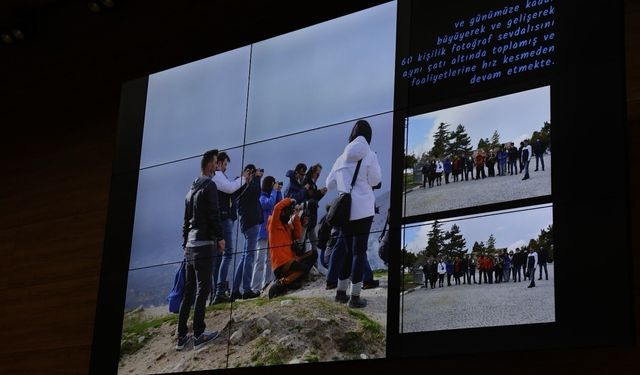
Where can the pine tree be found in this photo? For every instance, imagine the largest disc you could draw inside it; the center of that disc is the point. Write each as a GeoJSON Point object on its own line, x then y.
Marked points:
{"type": "Point", "coordinates": [460, 141]}
{"type": "Point", "coordinates": [491, 244]}
{"type": "Point", "coordinates": [455, 243]}
{"type": "Point", "coordinates": [484, 144]}
{"type": "Point", "coordinates": [410, 160]}
{"type": "Point", "coordinates": [478, 248]}
{"type": "Point", "coordinates": [435, 239]}
{"type": "Point", "coordinates": [440, 141]}
{"type": "Point", "coordinates": [544, 134]}
{"type": "Point", "coordinates": [495, 140]}
{"type": "Point", "coordinates": [545, 239]}
{"type": "Point", "coordinates": [408, 259]}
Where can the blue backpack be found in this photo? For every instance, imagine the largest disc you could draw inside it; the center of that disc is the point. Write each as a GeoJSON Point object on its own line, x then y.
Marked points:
{"type": "Point", "coordinates": [175, 296]}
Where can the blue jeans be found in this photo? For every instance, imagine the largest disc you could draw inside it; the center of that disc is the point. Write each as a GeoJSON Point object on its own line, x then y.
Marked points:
{"type": "Point", "coordinates": [337, 259]}
{"type": "Point", "coordinates": [526, 169]}
{"type": "Point", "coordinates": [541, 158]}
{"type": "Point", "coordinates": [513, 166]}
{"type": "Point", "coordinates": [356, 238]}
{"type": "Point", "coordinates": [262, 274]}
{"type": "Point", "coordinates": [221, 263]}
{"type": "Point", "coordinates": [244, 270]}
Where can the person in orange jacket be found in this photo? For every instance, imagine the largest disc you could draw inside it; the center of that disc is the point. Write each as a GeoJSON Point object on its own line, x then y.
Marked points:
{"type": "Point", "coordinates": [284, 227]}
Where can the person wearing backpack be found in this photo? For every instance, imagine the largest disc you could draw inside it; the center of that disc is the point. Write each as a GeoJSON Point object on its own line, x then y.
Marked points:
{"type": "Point", "coordinates": [356, 171]}
{"type": "Point", "coordinates": [202, 237]}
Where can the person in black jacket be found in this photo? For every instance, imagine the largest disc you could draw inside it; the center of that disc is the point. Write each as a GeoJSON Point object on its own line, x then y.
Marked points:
{"type": "Point", "coordinates": [250, 212]}
{"type": "Point", "coordinates": [314, 195]}
{"type": "Point", "coordinates": [543, 254]}
{"type": "Point", "coordinates": [426, 271]}
{"type": "Point", "coordinates": [513, 159]}
{"type": "Point", "coordinates": [425, 174]}
{"type": "Point", "coordinates": [201, 237]}
{"type": "Point", "coordinates": [538, 151]}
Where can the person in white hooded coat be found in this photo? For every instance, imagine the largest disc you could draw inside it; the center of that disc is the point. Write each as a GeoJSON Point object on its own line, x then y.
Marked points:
{"type": "Point", "coordinates": [356, 231]}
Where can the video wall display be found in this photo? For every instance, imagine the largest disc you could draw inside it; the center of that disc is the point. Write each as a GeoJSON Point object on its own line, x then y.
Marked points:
{"type": "Point", "coordinates": [290, 117]}
{"type": "Point", "coordinates": [436, 118]}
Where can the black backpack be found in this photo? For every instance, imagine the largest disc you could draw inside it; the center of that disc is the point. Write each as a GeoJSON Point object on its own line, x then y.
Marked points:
{"type": "Point", "coordinates": [384, 248]}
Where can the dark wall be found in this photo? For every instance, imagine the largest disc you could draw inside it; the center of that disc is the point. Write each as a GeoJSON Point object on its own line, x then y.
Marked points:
{"type": "Point", "coordinates": [58, 114]}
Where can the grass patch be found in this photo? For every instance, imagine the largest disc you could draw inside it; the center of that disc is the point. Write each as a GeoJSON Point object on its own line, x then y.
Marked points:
{"type": "Point", "coordinates": [134, 327]}
{"type": "Point", "coordinates": [353, 343]}
{"type": "Point", "coordinates": [311, 357]}
{"type": "Point", "coordinates": [369, 326]}
{"type": "Point", "coordinates": [409, 183]}
{"type": "Point", "coordinates": [408, 282]}
{"type": "Point", "coordinates": [381, 272]}
{"type": "Point", "coordinates": [267, 353]}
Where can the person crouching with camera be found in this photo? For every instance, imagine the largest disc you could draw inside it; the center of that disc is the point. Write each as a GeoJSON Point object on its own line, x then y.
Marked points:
{"type": "Point", "coordinates": [285, 227]}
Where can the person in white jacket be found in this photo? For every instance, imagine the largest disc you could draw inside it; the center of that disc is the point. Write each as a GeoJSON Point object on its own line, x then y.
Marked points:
{"type": "Point", "coordinates": [356, 231]}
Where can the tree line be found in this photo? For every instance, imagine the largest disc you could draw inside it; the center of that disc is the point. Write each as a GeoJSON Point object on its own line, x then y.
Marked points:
{"type": "Point", "coordinates": [451, 243]}
{"type": "Point", "coordinates": [458, 142]}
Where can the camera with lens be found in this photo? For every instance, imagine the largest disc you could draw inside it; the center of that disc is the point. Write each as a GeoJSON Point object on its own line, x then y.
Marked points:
{"type": "Point", "coordinates": [256, 170]}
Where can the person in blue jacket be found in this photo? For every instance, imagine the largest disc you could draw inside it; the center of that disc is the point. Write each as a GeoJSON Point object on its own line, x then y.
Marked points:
{"type": "Point", "coordinates": [262, 274]}
{"type": "Point", "coordinates": [295, 188]}
{"type": "Point", "coordinates": [447, 169]}
{"type": "Point", "coordinates": [449, 266]}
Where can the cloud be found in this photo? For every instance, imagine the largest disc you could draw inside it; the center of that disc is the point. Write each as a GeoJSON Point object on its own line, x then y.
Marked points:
{"type": "Point", "coordinates": [514, 116]}
{"type": "Point", "coordinates": [419, 240]}
{"type": "Point", "coordinates": [517, 244]}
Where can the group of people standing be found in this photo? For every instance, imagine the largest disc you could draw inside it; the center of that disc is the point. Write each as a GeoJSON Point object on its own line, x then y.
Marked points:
{"type": "Point", "coordinates": [518, 265]}
{"type": "Point", "coordinates": [273, 218]}
{"type": "Point", "coordinates": [507, 159]}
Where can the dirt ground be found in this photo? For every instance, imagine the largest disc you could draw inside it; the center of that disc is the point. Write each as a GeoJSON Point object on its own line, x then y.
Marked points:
{"type": "Point", "coordinates": [305, 325]}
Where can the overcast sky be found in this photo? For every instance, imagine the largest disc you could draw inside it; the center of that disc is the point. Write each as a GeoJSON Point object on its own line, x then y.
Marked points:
{"type": "Point", "coordinates": [510, 229]}
{"type": "Point", "coordinates": [328, 73]}
{"type": "Point", "coordinates": [514, 116]}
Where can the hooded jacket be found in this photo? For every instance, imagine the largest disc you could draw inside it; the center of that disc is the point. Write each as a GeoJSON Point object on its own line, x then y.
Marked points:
{"type": "Point", "coordinates": [294, 188]}
{"type": "Point", "coordinates": [249, 206]}
{"type": "Point", "coordinates": [370, 174]}
{"type": "Point", "coordinates": [281, 235]}
{"type": "Point", "coordinates": [201, 213]}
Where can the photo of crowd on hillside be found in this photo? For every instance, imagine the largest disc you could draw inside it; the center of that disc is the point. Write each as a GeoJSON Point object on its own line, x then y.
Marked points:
{"type": "Point", "coordinates": [264, 251]}
{"type": "Point", "coordinates": [486, 152]}
{"type": "Point", "coordinates": [233, 262]}
{"type": "Point", "coordinates": [484, 270]}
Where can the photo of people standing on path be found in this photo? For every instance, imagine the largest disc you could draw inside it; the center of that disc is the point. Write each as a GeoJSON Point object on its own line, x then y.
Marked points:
{"type": "Point", "coordinates": [486, 270]}
{"type": "Point", "coordinates": [486, 152]}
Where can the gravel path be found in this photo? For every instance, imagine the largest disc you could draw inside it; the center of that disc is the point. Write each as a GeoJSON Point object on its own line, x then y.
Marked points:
{"type": "Point", "coordinates": [478, 192]}
{"type": "Point", "coordinates": [486, 305]}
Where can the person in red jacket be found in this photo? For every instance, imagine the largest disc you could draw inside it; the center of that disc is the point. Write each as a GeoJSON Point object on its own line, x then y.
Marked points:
{"type": "Point", "coordinates": [283, 228]}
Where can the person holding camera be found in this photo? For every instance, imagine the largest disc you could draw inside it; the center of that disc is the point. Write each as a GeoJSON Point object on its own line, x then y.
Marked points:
{"type": "Point", "coordinates": [313, 197]}
{"type": "Point", "coordinates": [262, 274]}
{"type": "Point", "coordinates": [295, 188]}
{"type": "Point", "coordinates": [202, 238]}
{"type": "Point", "coordinates": [228, 214]}
{"type": "Point", "coordinates": [355, 232]}
{"type": "Point", "coordinates": [283, 228]}
{"type": "Point", "coordinates": [250, 219]}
